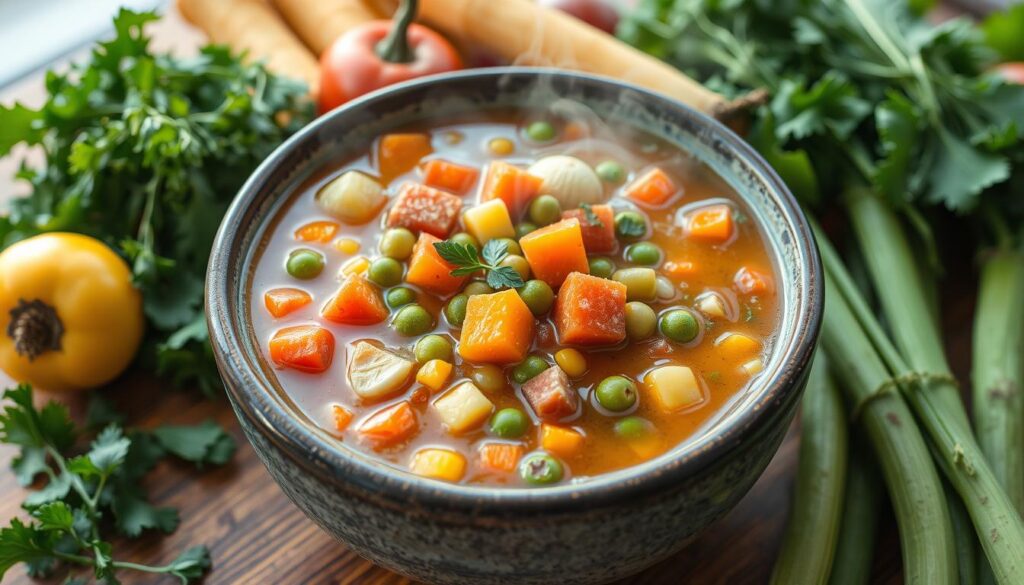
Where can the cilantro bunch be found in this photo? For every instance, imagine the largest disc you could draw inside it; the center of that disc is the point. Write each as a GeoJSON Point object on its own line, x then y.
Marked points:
{"type": "Point", "coordinates": [145, 151]}
{"type": "Point", "coordinates": [102, 486]}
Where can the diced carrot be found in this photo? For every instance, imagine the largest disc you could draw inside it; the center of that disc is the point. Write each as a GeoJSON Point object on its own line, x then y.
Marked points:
{"type": "Point", "coordinates": [561, 441]}
{"type": "Point", "coordinates": [555, 251]}
{"type": "Point", "coordinates": [654, 188]}
{"type": "Point", "coordinates": [737, 346]}
{"type": "Point", "coordinates": [307, 348]}
{"type": "Point", "coordinates": [576, 130]}
{"type": "Point", "coordinates": [598, 236]}
{"type": "Point", "coordinates": [590, 310]}
{"type": "Point", "coordinates": [449, 176]}
{"type": "Point", "coordinates": [500, 456]}
{"type": "Point", "coordinates": [282, 301]}
{"type": "Point", "coordinates": [678, 270]}
{"type": "Point", "coordinates": [710, 224]}
{"type": "Point", "coordinates": [511, 184]}
{"type": "Point", "coordinates": [425, 209]}
{"type": "Point", "coordinates": [399, 153]}
{"type": "Point", "coordinates": [498, 328]}
{"type": "Point", "coordinates": [390, 425]}
{"type": "Point", "coordinates": [427, 269]}
{"type": "Point", "coordinates": [317, 231]}
{"type": "Point", "coordinates": [342, 417]}
{"type": "Point", "coordinates": [357, 302]}
{"type": "Point", "coordinates": [751, 282]}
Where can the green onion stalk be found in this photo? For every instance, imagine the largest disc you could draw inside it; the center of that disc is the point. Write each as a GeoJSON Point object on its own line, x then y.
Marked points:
{"type": "Point", "coordinates": [813, 529]}
{"type": "Point", "coordinates": [855, 548]}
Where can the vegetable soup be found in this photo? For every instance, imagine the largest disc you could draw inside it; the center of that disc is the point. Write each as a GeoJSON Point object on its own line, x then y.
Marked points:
{"type": "Point", "coordinates": [513, 300]}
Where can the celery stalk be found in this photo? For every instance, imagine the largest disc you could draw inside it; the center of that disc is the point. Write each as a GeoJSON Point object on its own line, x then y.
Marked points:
{"type": "Point", "coordinates": [855, 549]}
{"type": "Point", "coordinates": [809, 543]}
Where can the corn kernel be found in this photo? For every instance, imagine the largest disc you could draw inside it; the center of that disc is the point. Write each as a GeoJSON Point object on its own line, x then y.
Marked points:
{"type": "Point", "coordinates": [357, 265]}
{"type": "Point", "coordinates": [489, 220]}
{"type": "Point", "coordinates": [347, 245]}
{"type": "Point", "coordinates": [560, 440]}
{"type": "Point", "coordinates": [440, 464]}
{"type": "Point", "coordinates": [434, 374]}
{"type": "Point", "coordinates": [572, 362]}
{"type": "Point", "coordinates": [753, 367]}
{"type": "Point", "coordinates": [674, 387]}
{"type": "Point", "coordinates": [501, 146]}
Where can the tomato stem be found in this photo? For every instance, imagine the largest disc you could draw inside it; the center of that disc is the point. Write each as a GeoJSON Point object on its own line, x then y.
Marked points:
{"type": "Point", "coordinates": [35, 328]}
{"type": "Point", "coordinates": [395, 48]}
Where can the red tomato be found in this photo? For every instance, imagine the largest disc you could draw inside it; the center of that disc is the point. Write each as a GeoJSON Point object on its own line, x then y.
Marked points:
{"type": "Point", "coordinates": [351, 67]}
{"type": "Point", "coordinates": [1012, 72]}
{"type": "Point", "coordinates": [596, 13]}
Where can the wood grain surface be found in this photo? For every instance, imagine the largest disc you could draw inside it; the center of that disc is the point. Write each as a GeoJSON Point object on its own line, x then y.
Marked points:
{"type": "Point", "coordinates": [257, 536]}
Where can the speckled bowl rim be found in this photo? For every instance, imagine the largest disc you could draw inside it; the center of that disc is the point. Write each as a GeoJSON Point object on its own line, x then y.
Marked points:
{"type": "Point", "coordinates": [351, 471]}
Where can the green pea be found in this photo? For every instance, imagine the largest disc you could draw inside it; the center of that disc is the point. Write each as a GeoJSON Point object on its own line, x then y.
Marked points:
{"type": "Point", "coordinates": [601, 267]}
{"type": "Point", "coordinates": [616, 393]}
{"type": "Point", "coordinates": [509, 423]}
{"type": "Point", "coordinates": [630, 225]}
{"type": "Point", "coordinates": [538, 296]}
{"type": "Point", "coordinates": [489, 378]}
{"type": "Point", "coordinates": [385, 271]}
{"type": "Point", "coordinates": [529, 369]}
{"type": "Point", "coordinates": [679, 325]}
{"type": "Point", "coordinates": [455, 310]}
{"type": "Point", "coordinates": [399, 296]}
{"type": "Point", "coordinates": [305, 264]}
{"type": "Point", "coordinates": [545, 210]}
{"type": "Point", "coordinates": [641, 321]}
{"type": "Point", "coordinates": [397, 243]}
{"type": "Point", "coordinates": [519, 264]}
{"type": "Point", "coordinates": [433, 347]}
{"type": "Point", "coordinates": [465, 239]}
{"type": "Point", "coordinates": [525, 228]}
{"type": "Point", "coordinates": [644, 253]}
{"type": "Point", "coordinates": [540, 131]}
{"type": "Point", "coordinates": [641, 283]}
{"type": "Point", "coordinates": [541, 469]}
{"type": "Point", "coordinates": [477, 287]}
{"type": "Point", "coordinates": [633, 427]}
{"type": "Point", "coordinates": [412, 320]}
{"type": "Point", "coordinates": [511, 246]}
{"type": "Point", "coordinates": [610, 171]}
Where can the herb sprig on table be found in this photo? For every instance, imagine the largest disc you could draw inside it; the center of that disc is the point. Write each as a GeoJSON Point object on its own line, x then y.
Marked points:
{"type": "Point", "coordinates": [144, 151]}
{"type": "Point", "coordinates": [83, 492]}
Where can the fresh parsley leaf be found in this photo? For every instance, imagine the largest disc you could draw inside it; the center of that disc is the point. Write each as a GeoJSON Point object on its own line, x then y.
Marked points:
{"type": "Point", "coordinates": [494, 252]}
{"type": "Point", "coordinates": [1003, 32]}
{"type": "Point", "coordinates": [134, 515]}
{"type": "Point", "coordinates": [457, 254]}
{"type": "Point", "coordinates": [199, 444]}
{"type": "Point", "coordinates": [504, 277]}
{"type": "Point", "coordinates": [630, 227]}
{"type": "Point", "coordinates": [592, 219]}
{"type": "Point", "coordinates": [464, 257]}
{"type": "Point", "coordinates": [191, 564]}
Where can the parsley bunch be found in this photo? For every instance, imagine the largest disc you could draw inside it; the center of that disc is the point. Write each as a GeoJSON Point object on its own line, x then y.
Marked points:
{"type": "Point", "coordinates": [145, 151]}
{"type": "Point", "coordinates": [82, 492]}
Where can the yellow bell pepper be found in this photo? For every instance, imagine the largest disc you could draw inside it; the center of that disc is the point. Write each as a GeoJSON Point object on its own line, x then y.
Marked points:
{"type": "Point", "coordinates": [73, 317]}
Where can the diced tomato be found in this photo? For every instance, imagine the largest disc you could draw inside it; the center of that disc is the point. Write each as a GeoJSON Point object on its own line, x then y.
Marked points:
{"type": "Point", "coordinates": [654, 188]}
{"type": "Point", "coordinates": [317, 231]}
{"type": "Point", "coordinates": [425, 209]}
{"type": "Point", "coordinates": [751, 282]}
{"type": "Point", "coordinates": [390, 425]}
{"type": "Point", "coordinates": [598, 236]}
{"type": "Point", "coordinates": [449, 176]}
{"type": "Point", "coordinates": [307, 348]}
{"type": "Point", "coordinates": [282, 301]}
{"type": "Point", "coordinates": [500, 456]}
{"type": "Point", "coordinates": [357, 302]}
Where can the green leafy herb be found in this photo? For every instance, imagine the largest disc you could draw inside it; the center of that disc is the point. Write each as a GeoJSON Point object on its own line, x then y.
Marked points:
{"type": "Point", "coordinates": [592, 219]}
{"type": "Point", "coordinates": [102, 482]}
{"type": "Point", "coordinates": [630, 227]}
{"type": "Point", "coordinates": [144, 151]}
{"type": "Point", "coordinates": [465, 257]}
{"type": "Point", "coordinates": [1003, 33]}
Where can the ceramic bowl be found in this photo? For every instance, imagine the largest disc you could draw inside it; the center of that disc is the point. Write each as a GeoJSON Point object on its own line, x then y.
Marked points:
{"type": "Point", "coordinates": [603, 529]}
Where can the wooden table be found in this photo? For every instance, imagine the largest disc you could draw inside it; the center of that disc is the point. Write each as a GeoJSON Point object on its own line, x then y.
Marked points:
{"type": "Point", "coordinates": [257, 536]}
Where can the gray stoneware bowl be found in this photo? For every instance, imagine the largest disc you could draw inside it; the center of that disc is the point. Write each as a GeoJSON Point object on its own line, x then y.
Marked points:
{"type": "Point", "coordinates": [606, 528]}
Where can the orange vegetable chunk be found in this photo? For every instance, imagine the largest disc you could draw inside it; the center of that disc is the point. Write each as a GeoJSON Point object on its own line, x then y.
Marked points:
{"type": "Point", "coordinates": [498, 328]}
{"type": "Point", "coordinates": [751, 282]}
{"type": "Point", "coordinates": [449, 176]}
{"type": "Point", "coordinates": [307, 348]}
{"type": "Point", "coordinates": [357, 302]}
{"type": "Point", "coordinates": [511, 184]}
{"type": "Point", "coordinates": [399, 153]}
{"type": "Point", "coordinates": [282, 301]}
{"type": "Point", "coordinates": [500, 456]}
{"type": "Point", "coordinates": [427, 269]}
{"type": "Point", "coordinates": [654, 188]}
{"type": "Point", "coordinates": [555, 251]}
{"type": "Point", "coordinates": [598, 238]}
{"type": "Point", "coordinates": [342, 417]}
{"type": "Point", "coordinates": [590, 311]}
{"type": "Point", "coordinates": [425, 209]}
{"type": "Point", "coordinates": [711, 224]}
{"type": "Point", "coordinates": [317, 231]}
{"type": "Point", "coordinates": [390, 425]}
{"type": "Point", "coordinates": [561, 441]}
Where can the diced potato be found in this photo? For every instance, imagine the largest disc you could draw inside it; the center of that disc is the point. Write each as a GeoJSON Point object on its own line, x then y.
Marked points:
{"type": "Point", "coordinates": [463, 407]}
{"type": "Point", "coordinates": [375, 373]}
{"type": "Point", "coordinates": [442, 464]}
{"type": "Point", "coordinates": [712, 305]}
{"type": "Point", "coordinates": [674, 387]}
{"type": "Point", "coordinates": [434, 374]}
{"type": "Point", "coordinates": [354, 198]}
{"type": "Point", "coordinates": [489, 221]}
{"type": "Point", "coordinates": [561, 441]}
{"type": "Point", "coordinates": [753, 367]}
{"type": "Point", "coordinates": [737, 346]}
